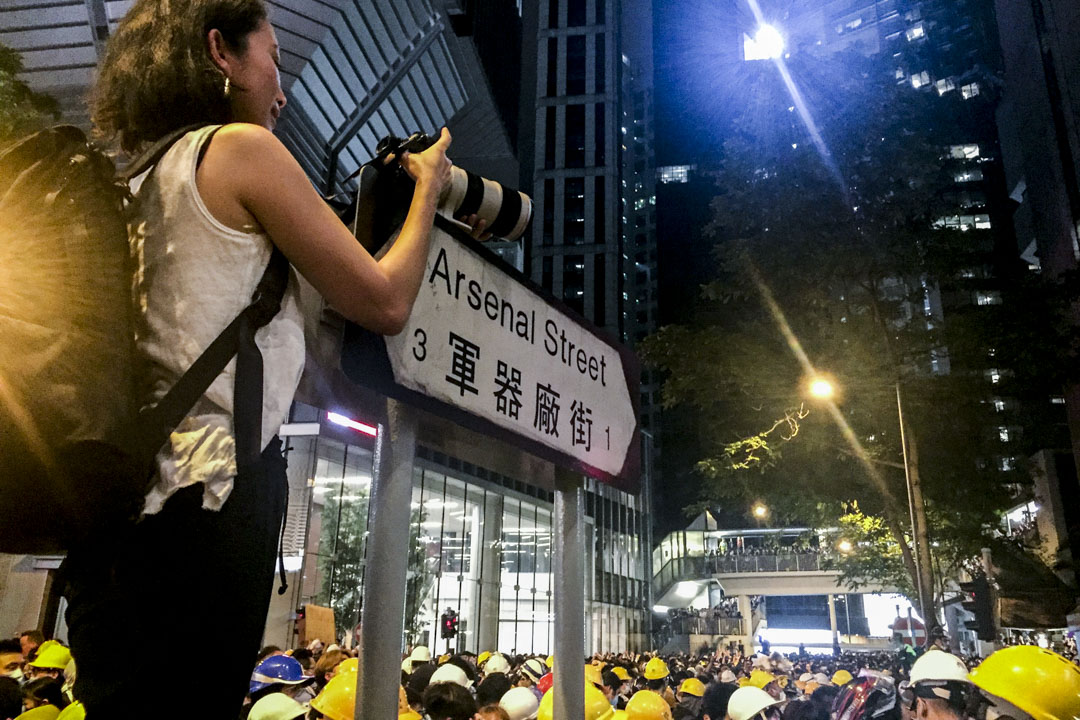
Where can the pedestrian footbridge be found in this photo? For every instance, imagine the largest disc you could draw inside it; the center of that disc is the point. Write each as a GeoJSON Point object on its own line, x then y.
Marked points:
{"type": "Point", "coordinates": [730, 563]}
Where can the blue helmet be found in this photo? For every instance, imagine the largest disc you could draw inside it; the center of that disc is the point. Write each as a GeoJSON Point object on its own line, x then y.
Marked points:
{"type": "Point", "coordinates": [277, 669]}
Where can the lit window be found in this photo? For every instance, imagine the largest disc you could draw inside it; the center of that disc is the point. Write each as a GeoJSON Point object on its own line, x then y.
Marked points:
{"type": "Point", "coordinates": [920, 79]}
{"type": "Point", "coordinates": [639, 204]}
{"type": "Point", "coordinates": [1003, 434]}
{"type": "Point", "coordinates": [916, 31]}
{"type": "Point", "coordinates": [982, 222]}
{"type": "Point", "coordinates": [854, 24]}
{"type": "Point", "coordinates": [1057, 400]}
{"type": "Point", "coordinates": [964, 176]}
{"type": "Point", "coordinates": [964, 152]}
{"type": "Point", "coordinates": [675, 173]}
{"type": "Point", "coordinates": [988, 297]}
{"type": "Point", "coordinates": [969, 91]}
{"type": "Point", "coordinates": [999, 404]}
{"type": "Point", "coordinates": [1007, 463]}
{"type": "Point", "coordinates": [994, 376]}
{"type": "Point", "coordinates": [944, 85]}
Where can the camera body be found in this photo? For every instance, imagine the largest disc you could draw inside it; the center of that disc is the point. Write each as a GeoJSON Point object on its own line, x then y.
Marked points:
{"type": "Point", "coordinates": [506, 211]}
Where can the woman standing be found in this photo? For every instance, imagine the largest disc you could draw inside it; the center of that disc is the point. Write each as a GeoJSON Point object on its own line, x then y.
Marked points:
{"type": "Point", "coordinates": [192, 579]}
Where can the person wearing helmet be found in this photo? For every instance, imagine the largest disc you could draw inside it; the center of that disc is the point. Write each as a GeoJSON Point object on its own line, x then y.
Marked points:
{"type": "Point", "coordinates": [841, 678]}
{"type": "Point", "coordinates": [520, 704]}
{"type": "Point", "coordinates": [51, 659]}
{"type": "Point", "coordinates": [656, 679]}
{"type": "Point", "coordinates": [596, 706]}
{"type": "Point", "coordinates": [419, 656]}
{"type": "Point", "coordinates": [765, 680]}
{"type": "Point", "coordinates": [497, 663]}
{"type": "Point", "coordinates": [689, 697]}
{"type": "Point", "coordinates": [276, 674]}
{"type": "Point", "coordinates": [450, 673]}
{"type": "Point", "coordinates": [276, 706]}
{"type": "Point", "coordinates": [1038, 683]}
{"type": "Point", "coordinates": [648, 705]}
{"type": "Point", "coordinates": [337, 701]}
{"type": "Point", "coordinates": [938, 687]}
{"type": "Point", "coordinates": [750, 702]}
{"type": "Point", "coordinates": [529, 675]}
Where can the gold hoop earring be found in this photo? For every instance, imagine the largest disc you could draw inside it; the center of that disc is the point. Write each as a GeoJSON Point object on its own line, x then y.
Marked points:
{"type": "Point", "coordinates": [227, 88]}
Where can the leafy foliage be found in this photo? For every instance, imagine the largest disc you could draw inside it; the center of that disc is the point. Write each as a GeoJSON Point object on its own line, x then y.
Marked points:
{"type": "Point", "coordinates": [21, 109]}
{"type": "Point", "coordinates": [830, 259]}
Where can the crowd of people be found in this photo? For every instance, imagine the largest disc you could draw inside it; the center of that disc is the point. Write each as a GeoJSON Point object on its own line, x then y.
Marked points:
{"type": "Point", "coordinates": [1022, 682]}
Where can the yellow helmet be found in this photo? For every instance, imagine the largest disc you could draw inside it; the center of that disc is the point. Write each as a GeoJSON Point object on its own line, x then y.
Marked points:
{"type": "Point", "coordinates": [444, 658]}
{"type": "Point", "coordinates": [597, 706]}
{"type": "Point", "coordinates": [348, 665]}
{"type": "Point", "coordinates": [74, 711]}
{"type": "Point", "coordinates": [52, 656]}
{"type": "Point", "coordinates": [594, 676]}
{"type": "Point", "coordinates": [692, 686]}
{"type": "Point", "coordinates": [841, 677]}
{"type": "Point", "coordinates": [550, 662]}
{"type": "Point", "coordinates": [647, 705]}
{"type": "Point", "coordinates": [1040, 682]}
{"type": "Point", "coordinates": [482, 658]}
{"type": "Point", "coordinates": [761, 678]}
{"type": "Point", "coordinates": [337, 700]}
{"type": "Point", "coordinates": [656, 669]}
{"type": "Point", "coordinates": [620, 672]}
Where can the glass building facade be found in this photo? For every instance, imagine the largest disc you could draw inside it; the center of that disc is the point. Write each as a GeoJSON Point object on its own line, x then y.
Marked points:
{"type": "Point", "coordinates": [480, 544]}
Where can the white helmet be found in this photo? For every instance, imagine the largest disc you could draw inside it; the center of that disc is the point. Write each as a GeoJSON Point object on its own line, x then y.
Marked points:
{"type": "Point", "coordinates": [938, 665]}
{"type": "Point", "coordinates": [728, 677]}
{"type": "Point", "coordinates": [451, 673]}
{"type": "Point", "coordinates": [534, 669]}
{"type": "Point", "coordinates": [496, 664]}
{"type": "Point", "coordinates": [746, 702]}
{"type": "Point", "coordinates": [420, 654]}
{"type": "Point", "coordinates": [277, 706]}
{"type": "Point", "coordinates": [520, 703]}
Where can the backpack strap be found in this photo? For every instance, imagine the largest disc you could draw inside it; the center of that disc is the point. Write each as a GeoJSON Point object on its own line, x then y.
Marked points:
{"type": "Point", "coordinates": [150, 156]}
{"type": "Point", "coordinates": [237, 339]}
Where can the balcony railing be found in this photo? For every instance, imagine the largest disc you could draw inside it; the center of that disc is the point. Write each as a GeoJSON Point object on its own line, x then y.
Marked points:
{"type": "Point", "coordinates": [693, 568]}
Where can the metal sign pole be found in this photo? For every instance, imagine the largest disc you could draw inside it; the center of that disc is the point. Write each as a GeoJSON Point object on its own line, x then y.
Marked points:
{"type": "Point", "coordinates": [569, 580]}
{"type": "Point", "coordinates": [383, 615]}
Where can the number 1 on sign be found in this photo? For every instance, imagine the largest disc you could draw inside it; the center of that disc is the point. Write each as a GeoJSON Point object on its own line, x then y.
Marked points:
{"type": "Point", "coordinates": [607, 430]}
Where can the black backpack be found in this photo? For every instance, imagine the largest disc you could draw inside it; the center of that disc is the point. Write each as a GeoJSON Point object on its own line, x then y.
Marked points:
{"type": "Point", "coordinates": [76, 453]}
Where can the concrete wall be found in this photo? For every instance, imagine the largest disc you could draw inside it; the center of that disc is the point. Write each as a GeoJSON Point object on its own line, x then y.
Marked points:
{"type": "Point", "coordinates": [22, 594]}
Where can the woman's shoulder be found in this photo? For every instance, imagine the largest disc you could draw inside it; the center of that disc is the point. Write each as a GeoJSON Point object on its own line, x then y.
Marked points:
{"type": "Point", "coordinates": [246, 139]}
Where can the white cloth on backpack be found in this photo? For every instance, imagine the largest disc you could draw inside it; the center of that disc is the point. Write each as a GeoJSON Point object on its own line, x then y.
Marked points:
{"type": "Point", "coordinates": [194, 276]}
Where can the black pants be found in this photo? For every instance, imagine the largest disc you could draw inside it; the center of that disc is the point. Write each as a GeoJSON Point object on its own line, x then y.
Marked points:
{"type": "Point", "coordinates": [166, 619]}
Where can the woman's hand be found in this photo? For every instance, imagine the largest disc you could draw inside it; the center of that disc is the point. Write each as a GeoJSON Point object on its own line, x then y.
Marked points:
{"type": "Point", "coordinates": [478, 226]}
{"type": "Point", "coordinates": [430, 168]}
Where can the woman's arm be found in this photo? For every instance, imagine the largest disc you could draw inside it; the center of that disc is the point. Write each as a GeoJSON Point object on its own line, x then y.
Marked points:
{"type": "Point", "coordinates": [248, 170]}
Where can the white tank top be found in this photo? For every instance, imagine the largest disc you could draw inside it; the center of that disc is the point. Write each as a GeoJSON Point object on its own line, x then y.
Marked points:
{"type": "Point", "coordinates": [194, 276]}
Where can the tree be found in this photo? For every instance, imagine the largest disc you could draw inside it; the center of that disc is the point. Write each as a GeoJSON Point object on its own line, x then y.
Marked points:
{"type": "Point", "coordinates": [21, 109]}
{"type": "Point", "coordinates": [341, 563]}
{"type": "Point", "coordinates": [831, 259]}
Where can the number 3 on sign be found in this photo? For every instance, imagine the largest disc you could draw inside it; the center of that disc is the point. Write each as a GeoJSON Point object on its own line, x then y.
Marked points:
{"type": "Point", "coordinates": [419, 350]}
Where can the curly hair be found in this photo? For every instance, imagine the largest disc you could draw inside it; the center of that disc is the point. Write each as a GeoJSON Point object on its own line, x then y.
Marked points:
{"type": "Point", "coordinates": [157, 75]}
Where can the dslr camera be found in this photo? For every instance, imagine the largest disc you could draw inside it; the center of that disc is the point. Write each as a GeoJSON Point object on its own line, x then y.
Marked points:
{"type": "Point", "coordinates": [506, 211]}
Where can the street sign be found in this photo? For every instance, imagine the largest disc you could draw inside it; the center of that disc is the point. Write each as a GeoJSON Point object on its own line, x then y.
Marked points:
{"type": "Point", "coordinates": [488, 348]}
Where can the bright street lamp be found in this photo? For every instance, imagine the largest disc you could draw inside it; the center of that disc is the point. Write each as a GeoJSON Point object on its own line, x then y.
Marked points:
{"type": "Point", "coordinates": [769, 41]}
{"type": "Point", "coordinates": [760, 511]}
{"type": "Point", "coordinates": [821, 388]}
{"type": "Point", "coordinates": [845, 546]}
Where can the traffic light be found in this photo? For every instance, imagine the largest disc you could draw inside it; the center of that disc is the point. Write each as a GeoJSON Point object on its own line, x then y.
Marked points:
{"type": "Point", "coordinates": [448, 624]}
{"type": "Point", "coordinates": [976, 600]}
